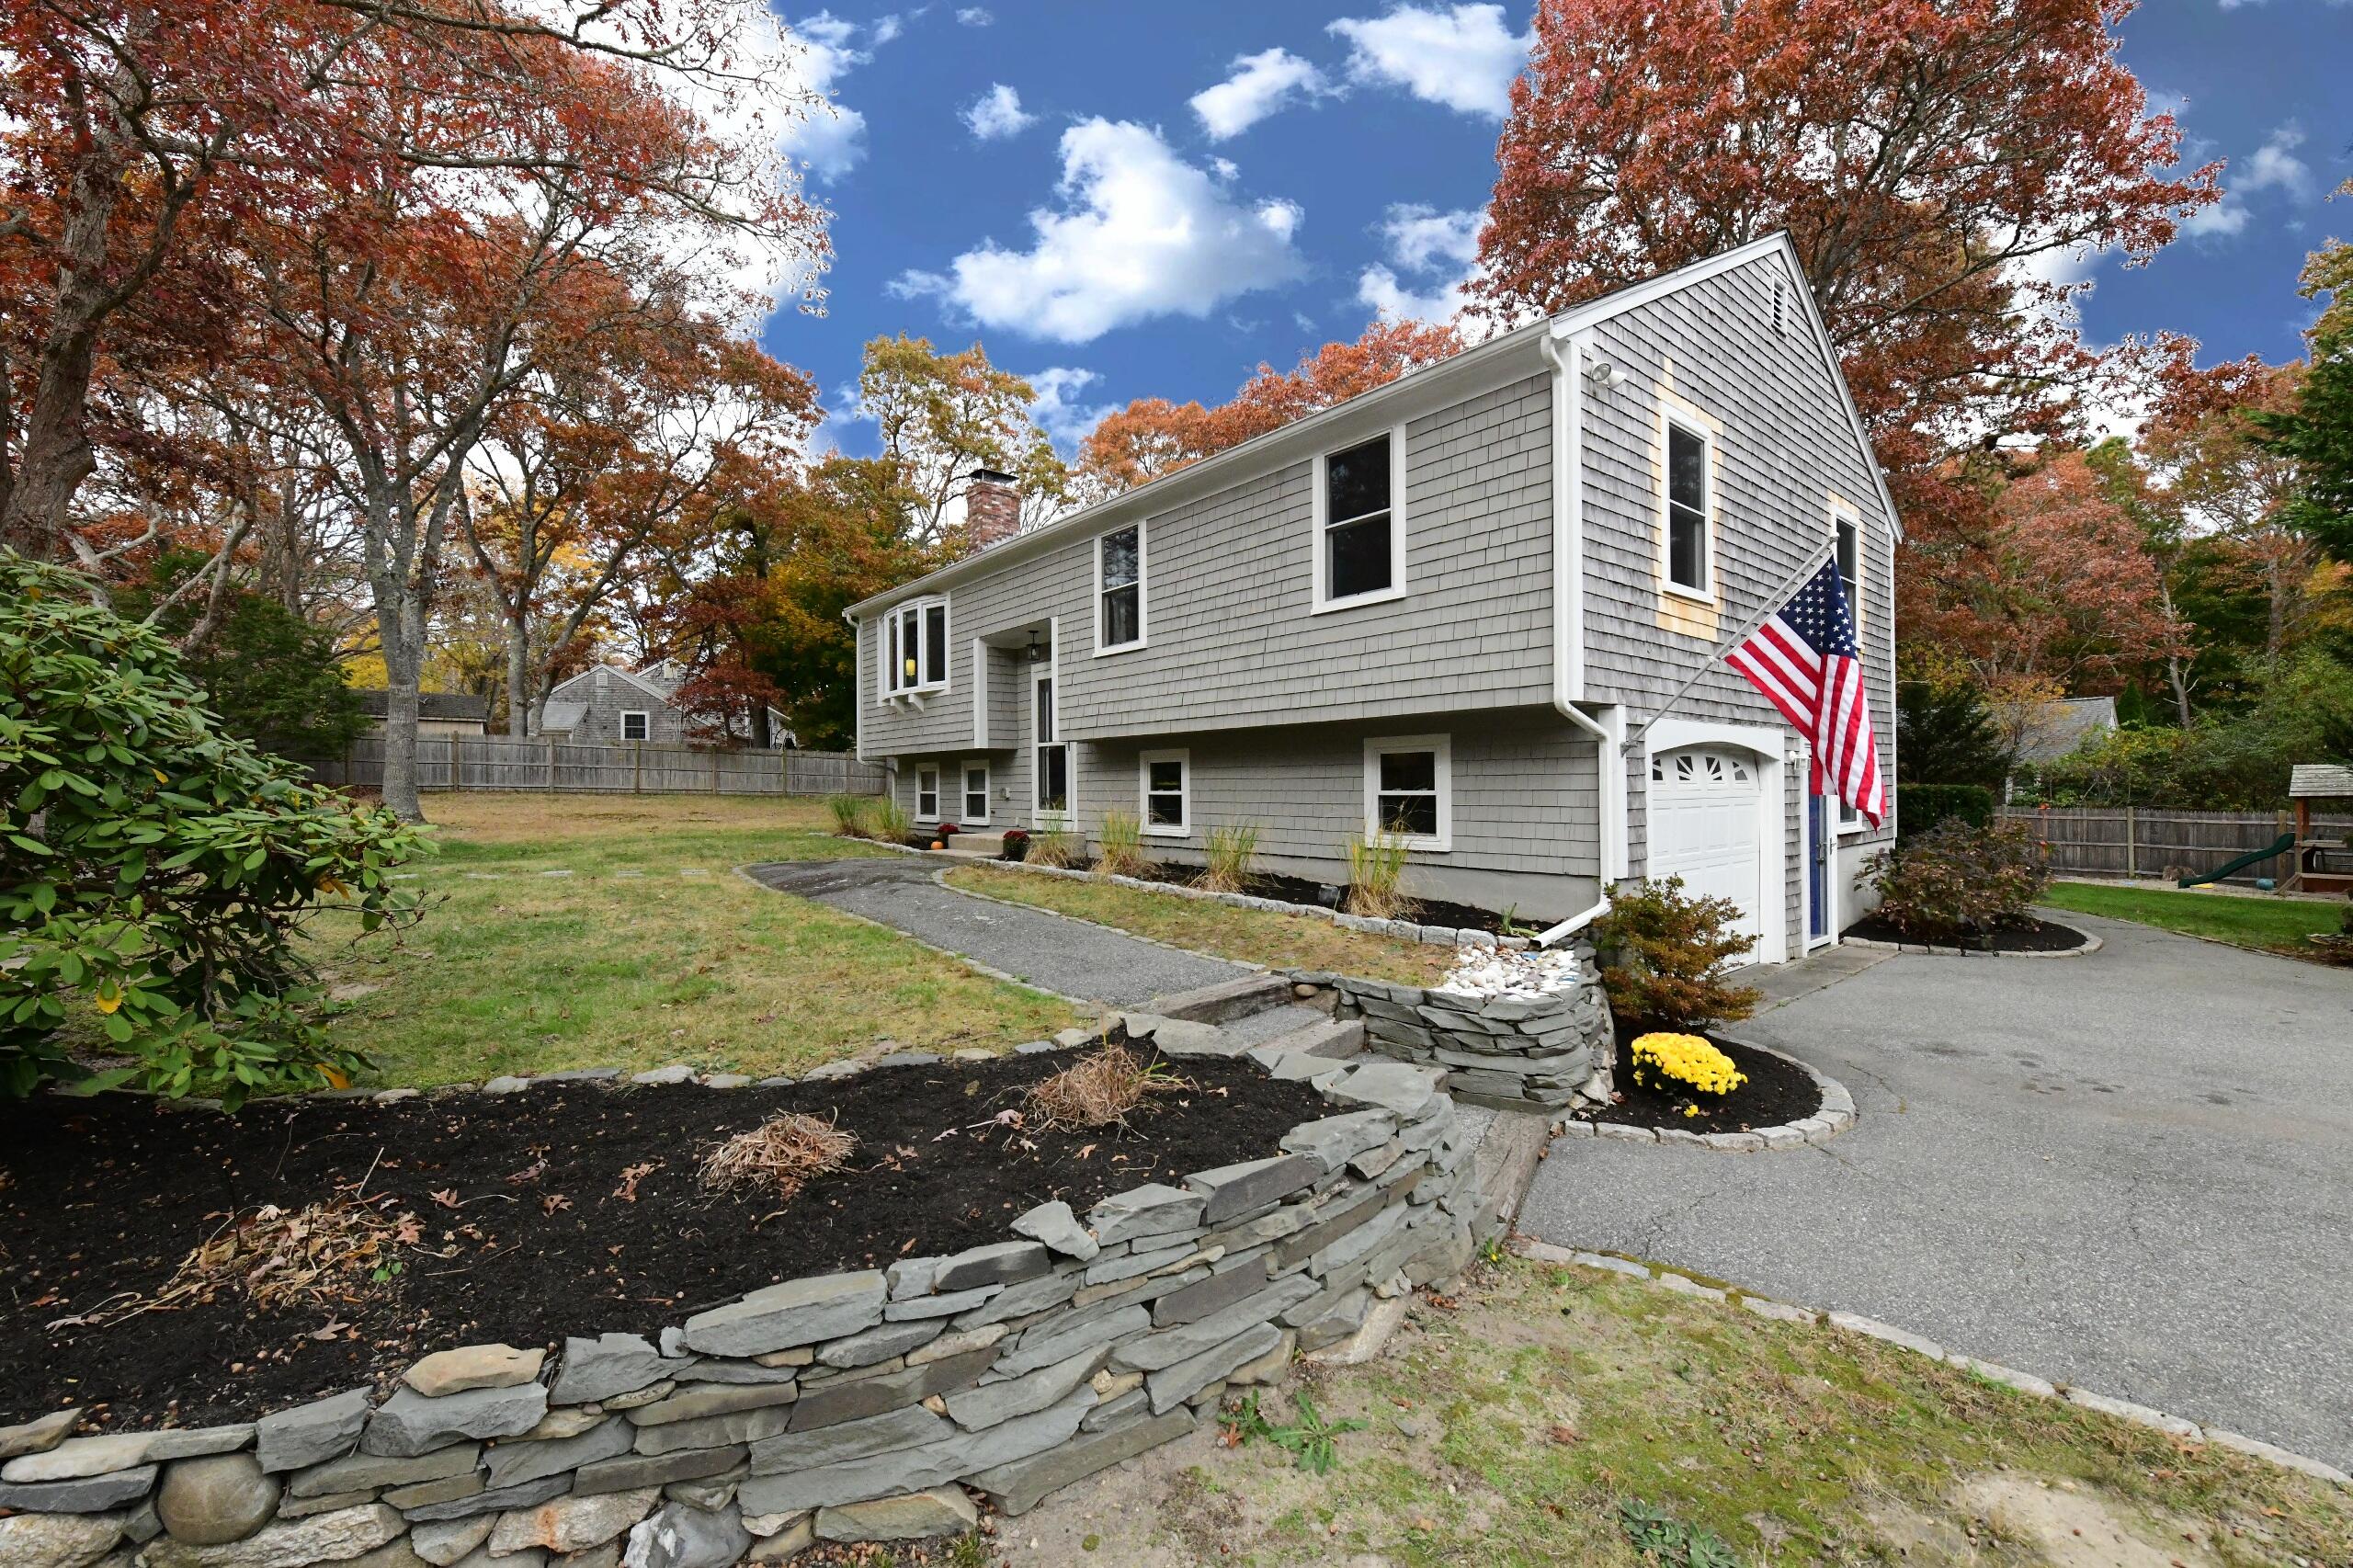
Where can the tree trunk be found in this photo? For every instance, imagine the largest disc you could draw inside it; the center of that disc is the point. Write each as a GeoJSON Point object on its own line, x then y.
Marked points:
{"type": "Point", "coordinates": [518, 678]}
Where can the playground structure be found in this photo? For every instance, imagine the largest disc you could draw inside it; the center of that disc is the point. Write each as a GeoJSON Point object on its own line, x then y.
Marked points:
{"type": "Point", "coordinates": [2322, 865]}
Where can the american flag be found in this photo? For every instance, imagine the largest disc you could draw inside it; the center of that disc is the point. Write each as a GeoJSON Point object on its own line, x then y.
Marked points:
{"type": "Point", "coordinates": [1806, 662]}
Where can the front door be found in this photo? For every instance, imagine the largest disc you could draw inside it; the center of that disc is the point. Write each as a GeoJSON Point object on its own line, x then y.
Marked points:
{"type": "Point", "coordinates": [1817, 870]}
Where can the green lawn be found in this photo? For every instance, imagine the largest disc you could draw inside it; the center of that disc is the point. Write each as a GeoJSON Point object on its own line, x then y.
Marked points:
{"type": "Point", "coordinates": [1516, 1424]}
{"type": "Point", "coordinates": [2274, 924]}
{"type": "Point", "coordinates": [1248, 936]}
{"type": "Point", "coordinates": [573, 931]}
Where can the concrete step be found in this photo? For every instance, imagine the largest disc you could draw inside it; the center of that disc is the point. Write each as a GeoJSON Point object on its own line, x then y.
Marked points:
{"type": "Point", "coordinates": [977, 845]}
{"type": "Point", "coordinates": [1226, 1001]}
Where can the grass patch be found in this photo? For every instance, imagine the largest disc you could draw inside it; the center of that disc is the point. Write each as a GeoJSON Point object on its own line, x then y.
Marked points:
{"type": "Point", "coordinates": [1249, 936]}
{"type": "Point", "coordinates": [1565, 1415]}
{"type": "Point", "coordinates": [2270, 924]}
{"type": "Point", "coordinates": [564, 933]}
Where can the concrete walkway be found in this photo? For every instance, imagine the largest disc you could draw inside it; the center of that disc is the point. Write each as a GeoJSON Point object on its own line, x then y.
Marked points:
{"type": "Point", "coordinates": [1048, 950]}
{"type": "Point", "coordinates": [2132, 1170]}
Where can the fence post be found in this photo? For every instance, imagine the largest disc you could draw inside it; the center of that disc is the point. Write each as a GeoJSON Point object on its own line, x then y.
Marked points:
{"type": "Point", "coordinates": [637, 767]}
{"type": "Point", "coordinates": [2132, 842]}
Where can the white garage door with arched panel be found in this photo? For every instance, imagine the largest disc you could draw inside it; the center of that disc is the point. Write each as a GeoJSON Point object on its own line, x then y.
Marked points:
{"type": "Point", "coordinates": [1705, 825]}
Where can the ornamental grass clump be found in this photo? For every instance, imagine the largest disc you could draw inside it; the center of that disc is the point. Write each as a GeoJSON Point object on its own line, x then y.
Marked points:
{"type": "Point", "coordinates": [849, 814]}
{"type": "Point", "coordinates": [1233, 855]}
{"type": "Point", "coordinates": [782, 1155]}
{"type": "Point", "coordinates": [1377, 875]}
{"type": "Point", "coordinates": [1673, 1063]}
{"type": "Point", "coordinates": [1102, 1088]}
{"type": "Point", "coordinates": [1052, 847]}
{"type": "Point", "coordinates": [1122, 854]}
{"type": "Point", "coordinates": [888, 821]}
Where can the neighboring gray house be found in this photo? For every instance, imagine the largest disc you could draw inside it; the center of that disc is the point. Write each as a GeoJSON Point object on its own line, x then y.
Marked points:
{"type": "Point", "coordinates": [437, 712]}
{"type": "Point", "coordinates": [1450, 601]}
{"type": "Point", "coordinates": [2042, 733]}
{"type": "Point", "coordinates": [608, 705]}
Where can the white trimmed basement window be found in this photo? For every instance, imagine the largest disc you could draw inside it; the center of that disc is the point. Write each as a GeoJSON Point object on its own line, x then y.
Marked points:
{"type": "Point", "coordinates": [1409, 788]}
{"type": "Point", "coordinates": [1165, 790]}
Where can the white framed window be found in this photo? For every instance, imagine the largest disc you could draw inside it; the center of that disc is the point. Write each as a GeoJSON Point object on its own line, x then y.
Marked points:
{"type": "Point", "coordinates": [1361, 523]}
{"type": "Point", "coordinates": [1049, 775]}
{"type": "Point", "coordinates": [1164, 793]}
{"type": "Point", "coordinates": [927, 793]}
{"type": "Point", "coordinates": [916, 648]}
{"type": "Point", "coordinates": [637, 724]}
{"type": "Point", "coordinates": [1689, 500]}
{"type": "Point", "coordinates": [1847, 524]}
{"type": "Point", "coordinates": [1120, 609]}
{"type": "Point", "coordinates": [977, 792]}
{"type": "Point", "coordinates": [1409, 787]}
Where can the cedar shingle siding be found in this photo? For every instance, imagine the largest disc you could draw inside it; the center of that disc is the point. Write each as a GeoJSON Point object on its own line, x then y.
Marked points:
{"type": "Point", "coordinates": [1274, 703]}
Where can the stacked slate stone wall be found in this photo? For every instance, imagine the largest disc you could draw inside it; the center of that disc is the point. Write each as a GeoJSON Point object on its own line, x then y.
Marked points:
{"type": "Point", "coordinates": [1539, 1053]}
{"type": "Point", "coordinates": [841, 1407]}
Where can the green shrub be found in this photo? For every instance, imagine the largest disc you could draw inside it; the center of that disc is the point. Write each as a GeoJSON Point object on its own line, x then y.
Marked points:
{"type": "Point", "coordinates": [1919, 807]}
{"type": "Point", "coordinates": [850, 814]}
{"type": "Point", "coordinates": [1377, 875]}
{"type": "Point", "coordinates": [1957, 884]}
{"type": "Point", "coordinates": [156, 873]}
{"type": "Point", "coordinates": [1233, 855]}
{"type": "Point", "coordinates": [1662, 949]}
{"type": "Point", "coordinates": [1123, 840]}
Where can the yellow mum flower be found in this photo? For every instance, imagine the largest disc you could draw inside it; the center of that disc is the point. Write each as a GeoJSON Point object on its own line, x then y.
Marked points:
{"type": "Point", "coordinates": [1686, 1060]}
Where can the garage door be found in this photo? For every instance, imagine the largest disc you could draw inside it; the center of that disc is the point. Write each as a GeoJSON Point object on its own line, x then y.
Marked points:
{"type": "Point", "coordinates": [1703, 825]}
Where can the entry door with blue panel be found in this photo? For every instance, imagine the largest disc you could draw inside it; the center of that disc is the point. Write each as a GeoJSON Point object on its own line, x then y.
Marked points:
{"type": "Point", "coordinates": [1817, 867]}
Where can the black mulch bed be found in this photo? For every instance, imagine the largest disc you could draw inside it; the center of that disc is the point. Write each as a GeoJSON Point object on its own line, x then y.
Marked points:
{"type": "Point", "coordinates": [1299, 890]}
{"type": "Point", "coordinates": [106, 1196]}
{"type": "Point", "coordinates": [1777, 1092]}
{"type": "Point", "coordinates": [2031, 936]}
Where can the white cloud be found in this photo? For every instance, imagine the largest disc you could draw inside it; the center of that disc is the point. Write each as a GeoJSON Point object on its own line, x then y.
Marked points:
{"type": "Point", "coordinates": [1224, 168]}
{"type": "Point", "coordinates": [975, 16]}
{"type": "Point", "coordinates": [2276, 164]}
{"type": "Point", "coordinates": [832, 141]}
{"type": "Point", "coordinates": [1261, 83]}
{"type": "Point", "coordinates": [2224, 218]}
{"type": "Point", "coordinates": [886, 29]}
{"type": "Point", "coordinates": [997, 113]}
{"type": "Point", "coordinates": [1438, 249]}
{"type": "Point", "coordinates": [1060, 411]}
{"type": "Point", "coordinates": [1139, 233]}
{"type": "Point", "coordinates": [1465, 59]}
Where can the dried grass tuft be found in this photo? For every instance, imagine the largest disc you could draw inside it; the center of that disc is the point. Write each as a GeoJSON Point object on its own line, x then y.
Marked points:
{"type": "Point", "coordinates": [1101, 1088]}
{"type": "Point", "coordinates": [782, 1155]}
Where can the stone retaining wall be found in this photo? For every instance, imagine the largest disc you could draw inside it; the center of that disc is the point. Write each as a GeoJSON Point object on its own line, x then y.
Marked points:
{"type": "Point", "coordinates": [1513, 1052]}
{"type": "Point", "coordinates": [840, 1407]}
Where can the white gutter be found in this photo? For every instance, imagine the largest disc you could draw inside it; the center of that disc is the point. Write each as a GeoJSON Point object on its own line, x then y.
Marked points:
{"type": "Point", "coordinates": [1568, 621]}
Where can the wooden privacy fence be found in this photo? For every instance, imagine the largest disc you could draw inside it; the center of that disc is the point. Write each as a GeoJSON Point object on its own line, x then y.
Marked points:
{"type": "Point", "coordinates": [2145, 841]}
{"type": "Point", "coordinates": [502, 762]}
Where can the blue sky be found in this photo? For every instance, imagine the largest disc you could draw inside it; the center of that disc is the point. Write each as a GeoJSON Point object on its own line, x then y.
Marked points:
{"type": "Point", "coordinates": [1123, 201]}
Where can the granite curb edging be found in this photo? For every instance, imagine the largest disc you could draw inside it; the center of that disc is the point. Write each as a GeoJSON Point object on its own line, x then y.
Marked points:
{"type": "Point", "coordinates": [836, 1407]}
{"type": "Point", "coordinates": [1663, 1276]}
{"type": "Point", "coordinates": [1836, 1115]}
{"type": "Point", "coordinates": [1398, 930]}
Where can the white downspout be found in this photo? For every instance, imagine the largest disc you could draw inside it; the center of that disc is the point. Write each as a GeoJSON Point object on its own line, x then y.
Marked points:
{"type": "Point", "coordinates": [1568, 622]}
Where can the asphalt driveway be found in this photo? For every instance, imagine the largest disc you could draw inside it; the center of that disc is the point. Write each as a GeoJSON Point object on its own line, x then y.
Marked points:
{"type": "Point", "coordinates": [2132, 1170]}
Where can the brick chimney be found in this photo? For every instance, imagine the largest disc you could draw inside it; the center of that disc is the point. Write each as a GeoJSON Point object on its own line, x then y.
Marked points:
{"type": "Point", "coordinates": [992, 508]}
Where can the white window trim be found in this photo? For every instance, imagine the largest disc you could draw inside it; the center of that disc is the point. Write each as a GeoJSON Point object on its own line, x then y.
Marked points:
{"type": "Point", "coordinates": [1845, 511]}
{"type": "Point", "coordinates": [1443, 745]}
{"type": "Point", "coordinates": [1039, 816]}
{"type": "Point", "coordinates": [645, 715]}
{"type": "Point", "coordinates": [1674, 413]}
{"type": "Point", "coordinates": [932, 768]}
{"type": "Point", "coordinates": [964, 791]}
{"type": "Point", "coordinates": [1144, 591]}
{"type": "Point", "coordinates": [890, 661]}
{"type": "Point", "coordinates": [1324, 604]}
{"type": "Point", "coordinates": [1183, 826]}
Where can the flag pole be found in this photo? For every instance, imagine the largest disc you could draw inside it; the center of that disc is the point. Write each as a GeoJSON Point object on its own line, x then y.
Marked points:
{"type": "Point", "coordinates": [1773, 602]}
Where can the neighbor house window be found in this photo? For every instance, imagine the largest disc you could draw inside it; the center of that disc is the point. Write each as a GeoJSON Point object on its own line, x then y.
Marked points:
{"type": "Point", "coordinates": [1119, 589]}
{"type": "Point", "coordinates": [1409, 788]}
{"type": "Point", "coordinates": [636, 725]}
{"type": "Point", "coordinates": [916, 650]}
{"type": "Point", "coordinates": [927, 794]}
{"type": "Point", "coordinates": [1166, 787]}
{"type": "Point", "coordinates": [1359, 544]}
{"type": "Point", "coordinates": [1686, 508]}
{"type": "Point", "coordinates": [977, 792]}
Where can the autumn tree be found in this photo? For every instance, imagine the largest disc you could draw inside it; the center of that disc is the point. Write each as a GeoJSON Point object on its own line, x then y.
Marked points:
{"type": "Point", "coordinates": [944, 417]}
{"type": "Point", "coordinates": [2316, 434]}
{"type": "Point", "coordinates": [1153, 437]}
{"type": "Point", "coordinates": [1930, 160]}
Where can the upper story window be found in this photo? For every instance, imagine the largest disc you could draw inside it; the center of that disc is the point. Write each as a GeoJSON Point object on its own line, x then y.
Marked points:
{"type": "Point", "coordinates": [1686, 509]}
{"type": "Point", "coordinates": [1361, 523]}
{"type": "Point", "coordinates": [637, 724]}
{"type": "Point", "coordinates": [1409, 789]}
{"type": "Point", "coordinates": [916, 648]}
{"type": "Point", "coordinates": [1850, 561]}
{"type": "Point", "coordinates": [1119, 589]}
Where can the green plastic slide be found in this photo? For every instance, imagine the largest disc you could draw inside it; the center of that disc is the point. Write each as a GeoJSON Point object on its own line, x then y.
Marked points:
{"type": "Point", "coordinates": [2280, 845]}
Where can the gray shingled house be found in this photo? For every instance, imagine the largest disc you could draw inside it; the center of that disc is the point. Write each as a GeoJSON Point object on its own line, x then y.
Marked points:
{"type": "Point", "coordinates": [1453, 602]}
{"type": "Point", "coordinates": [606, 705]}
